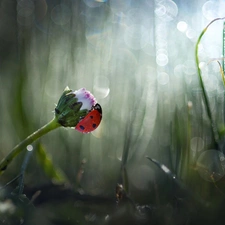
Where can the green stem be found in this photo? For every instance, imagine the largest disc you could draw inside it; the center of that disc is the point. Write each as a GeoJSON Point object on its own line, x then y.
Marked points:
{"type": "Point", "coordinates": [222, 73]}
{"type": "Point", "coordinates": [223, 46]}
{"type": "Point", "coordinates": [53, 124]}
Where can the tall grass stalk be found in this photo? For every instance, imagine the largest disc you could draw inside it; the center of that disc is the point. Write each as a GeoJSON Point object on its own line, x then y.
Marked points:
{"type": "Point", "coordinates": [22, 171]}
{"type": "Point", "coordinates": [188, 143]}
{"type": "Point", "coordinates": [223, 64]}
{"type": "Point", "coordinates": [222, 73]}
{"type": "Point", "coordinates": [205, 97]}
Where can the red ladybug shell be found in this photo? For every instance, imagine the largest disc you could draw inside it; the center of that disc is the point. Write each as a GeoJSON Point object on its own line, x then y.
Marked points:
{"type": "Point", "coordinates": [91, 121]}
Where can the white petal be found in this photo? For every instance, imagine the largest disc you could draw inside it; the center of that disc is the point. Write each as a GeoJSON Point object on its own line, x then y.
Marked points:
{"type": "Point", "coordinates": [86, 98]}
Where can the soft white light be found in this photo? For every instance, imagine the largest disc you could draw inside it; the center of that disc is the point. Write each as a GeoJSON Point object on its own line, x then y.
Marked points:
{"type": "Point", "coordinates": [163, 78]}
{"type": "Point", "coordinates": [190, 33]}
{"type": "Point", "coordinates": [165, 169]}
{"type": "Point", "coordinates": [29, 148]}
{"type": "Point", "coordinates": [162, 59]}
{"type": "Point", "coordinates": [197, 144]}
{"type": "Point", "coordinates": [61, 14]}
{"type": "Point", "coordinates": [101, 87]}
{"type": "Point", "coordinates": [182, 26]}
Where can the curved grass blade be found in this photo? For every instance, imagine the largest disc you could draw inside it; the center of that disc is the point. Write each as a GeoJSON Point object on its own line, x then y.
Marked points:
{"type": "Point", "coordinates": [46, 163]}
{"type": "Point", "coordinates": [223, 65]}
{"type": "Point", "coordinates": [205, 97]}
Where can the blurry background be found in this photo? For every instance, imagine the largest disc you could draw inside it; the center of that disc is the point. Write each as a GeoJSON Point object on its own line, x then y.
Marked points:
{"type": "Point", "coordinates": [137, 58]}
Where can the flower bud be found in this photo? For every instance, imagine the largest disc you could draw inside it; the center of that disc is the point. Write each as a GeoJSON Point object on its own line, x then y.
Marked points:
{"type": "Point", "coordinates": [73, 105]}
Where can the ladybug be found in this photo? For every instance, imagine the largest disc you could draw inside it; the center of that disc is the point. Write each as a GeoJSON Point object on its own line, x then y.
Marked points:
{"type": "Point", "coordinates": [91, 121]}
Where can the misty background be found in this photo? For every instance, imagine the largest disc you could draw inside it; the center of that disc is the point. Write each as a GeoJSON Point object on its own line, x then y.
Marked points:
{"type": "Point", "coordinates": [137, 58]}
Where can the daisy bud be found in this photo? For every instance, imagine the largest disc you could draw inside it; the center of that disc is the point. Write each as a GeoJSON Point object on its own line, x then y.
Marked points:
{"type": "Point", "coordinates": [73, 105]}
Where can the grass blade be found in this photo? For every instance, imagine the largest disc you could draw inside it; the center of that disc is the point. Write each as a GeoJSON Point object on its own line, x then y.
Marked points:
{"type": "Point", "coordinates": [205, 97]}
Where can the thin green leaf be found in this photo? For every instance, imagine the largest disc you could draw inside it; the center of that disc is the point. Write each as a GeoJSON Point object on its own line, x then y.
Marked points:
{"type": "Point", "coordinates": [46, 163]}
{"type": "Point", "coordinates": [205, 97]}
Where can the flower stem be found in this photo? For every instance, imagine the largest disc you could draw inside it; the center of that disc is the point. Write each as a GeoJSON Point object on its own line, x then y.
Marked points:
{"type": "Point", "coordinates": [53, 124]}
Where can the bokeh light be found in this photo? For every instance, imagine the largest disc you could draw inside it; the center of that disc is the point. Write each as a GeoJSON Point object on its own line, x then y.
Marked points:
{"type": "Point", "coordinates": [213, 9]}
{"type": "Point", "coordinates": [61, 14]}
{"type": "Point", "coordinates": [211, 165]}
{"type": "Point", "coordinates": [197, 145]}
{"type": "Point", "coordinates": [163, 78]}
{"type": "Point", "coordinates": [25, 10]}
{"type": "Point", "coordinates": [29, 148]}
{"type": "Point", "coordinates": [182, 26]}
{"type": "Point", "coordinates": [101, 87]}
{"type": "Point", "coordinates": [166, 10]}
{"type": "Point", "coordinates": [191, 33]}
{"type": "Point", "coordinates": [141, 177]}
{"type": "Point", "coordinates": [162, 59]}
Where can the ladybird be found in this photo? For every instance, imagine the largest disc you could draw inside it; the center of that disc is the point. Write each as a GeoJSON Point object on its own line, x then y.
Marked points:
{"type": "Point", "coordinates": [91, 121]}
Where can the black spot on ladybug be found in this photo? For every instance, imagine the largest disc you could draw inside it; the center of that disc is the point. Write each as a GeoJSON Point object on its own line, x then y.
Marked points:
{"type": "Point", "coordinates": [82, 127]}
{"type": "Point", "coordinates": [91, 117]}
{"type": "Point", "coordinates": [94, 125]}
